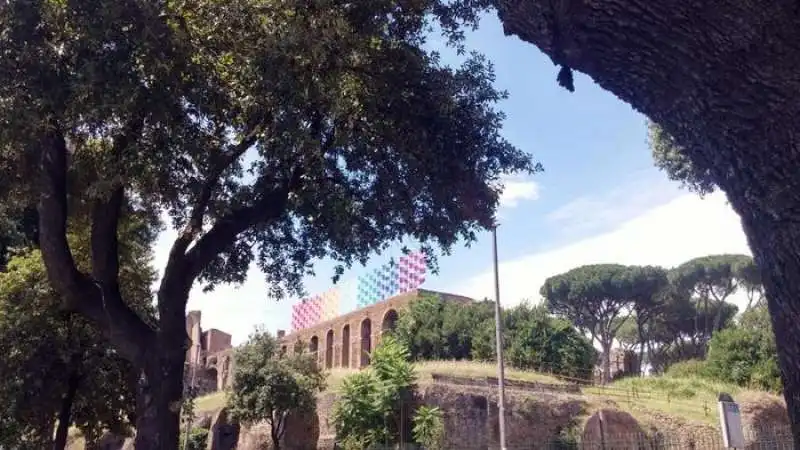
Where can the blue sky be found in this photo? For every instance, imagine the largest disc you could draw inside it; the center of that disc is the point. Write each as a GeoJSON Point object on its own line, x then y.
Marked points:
{"type": "Point", "coordinates": [599, 200]}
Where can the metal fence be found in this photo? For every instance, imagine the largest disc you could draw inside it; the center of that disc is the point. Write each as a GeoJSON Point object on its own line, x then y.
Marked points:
{"type": "Point", "coordinates": [779, 438]}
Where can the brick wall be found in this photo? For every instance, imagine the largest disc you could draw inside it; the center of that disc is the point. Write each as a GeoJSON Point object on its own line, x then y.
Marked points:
{"type": "Point", "coordinates": [346, 341]}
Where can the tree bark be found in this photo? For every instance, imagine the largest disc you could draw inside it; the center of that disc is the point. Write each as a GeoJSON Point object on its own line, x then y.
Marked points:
{"type": "Point", "coordinates": [606, 344]}
{"type": "Point", "coordinates": [65, 414]}
{"type": "Point", "coordinates": [722, 78]}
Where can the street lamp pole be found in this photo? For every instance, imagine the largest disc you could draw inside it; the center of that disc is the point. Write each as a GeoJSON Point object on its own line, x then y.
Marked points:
{"type": "Point", "coordinates": [501, 376]}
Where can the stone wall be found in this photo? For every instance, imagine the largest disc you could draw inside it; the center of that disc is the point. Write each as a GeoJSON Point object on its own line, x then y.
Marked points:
{"type": "Point", "coordinates": [345, 342]}
{"type": "Point", "coordinates": [209, 357]}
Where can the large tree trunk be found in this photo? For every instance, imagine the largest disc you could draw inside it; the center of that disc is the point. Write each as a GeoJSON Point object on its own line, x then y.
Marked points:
{"type": "Point", "coordinates": [158, 404]}
{"type": "Point", "coordinates": [160, 395]}
{"type": "Point", "coordinates": [722, 78]}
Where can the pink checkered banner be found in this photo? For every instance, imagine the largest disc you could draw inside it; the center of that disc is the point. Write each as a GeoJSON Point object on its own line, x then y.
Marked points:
{"type": "Point", "coordinates": [393, 278]}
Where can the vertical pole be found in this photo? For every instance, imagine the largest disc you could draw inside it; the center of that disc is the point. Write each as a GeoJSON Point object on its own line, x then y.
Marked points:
{"type": "Point", "coordinates": [499, 340]}
{"type": "Point", "coordinates": [190, 393]}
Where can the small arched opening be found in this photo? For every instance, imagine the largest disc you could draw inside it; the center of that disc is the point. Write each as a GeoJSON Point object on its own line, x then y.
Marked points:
{"type": "Point", "coordinates": [389, 321]}
{"type": "Point", "coordinates": [313, 345]}
{"type": "Point", "coordinates": [213, 377]}
{"type": "Point", "coordinates": [329, 349]}
{"type": "Point", "coordinates": [366, 341]}
{"type": "Point", "coordinates": [346, 346]}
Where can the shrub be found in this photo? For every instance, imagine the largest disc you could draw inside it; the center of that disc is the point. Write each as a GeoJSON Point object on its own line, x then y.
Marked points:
{"type": "Point", "coordinates": [428, 427]}
{"type": "Point", "coordinates": [693, 368]}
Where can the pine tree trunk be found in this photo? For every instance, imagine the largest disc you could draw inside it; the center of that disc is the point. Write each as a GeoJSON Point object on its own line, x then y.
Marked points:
{"type": "Point", "coordinates": [721, 78]}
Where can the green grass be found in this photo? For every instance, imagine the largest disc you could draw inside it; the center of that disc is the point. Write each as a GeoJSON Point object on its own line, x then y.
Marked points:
{"type": "Point", "coordinates": [691, 398]}
{"type": "Point", "coordinates": [470, 369]}
{"type": "Point", "coordinates": [210, 402]}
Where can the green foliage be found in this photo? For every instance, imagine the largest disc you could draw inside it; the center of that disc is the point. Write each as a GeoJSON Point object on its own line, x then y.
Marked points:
{"type": "Point", "coordinates": [434, 329]}
{"type": "Point", "coordinates": [198, 439]}
{"type": "Point", "coordinates": [428, 428]}
{"type": "Point", "coordinates": [746, 357]}
{"type": "Point", "coordinates": [596, 297]}
{"type": "Point", "coordinates": [672, 158]}
{"type": "Point", "coordinates": [688, 369]}
{"type": "Point", "coordinates": [268, 387]}
{"type": "Point", "coordinates": [541, 342]}
{"type": "Point", "coordinates": [387, 131]}
{"type": "Point", "coordinates": [46, 351]}
{"type": "Point", "coordinates": [368, 410]}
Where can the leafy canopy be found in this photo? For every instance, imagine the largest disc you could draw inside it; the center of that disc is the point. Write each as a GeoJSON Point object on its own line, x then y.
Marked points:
{"type": "Point", "coordinates": [672, 158]}
{"type": "Point", "coordinates": [46, 350]}
{"type": "Point", "coordinates": [273, 132]}
{"type": "Point", "coordinates": [268, 386]}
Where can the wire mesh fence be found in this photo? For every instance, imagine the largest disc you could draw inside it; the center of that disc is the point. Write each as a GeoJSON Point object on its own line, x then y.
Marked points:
{"type": "Point", "coordinates": [778, 438]}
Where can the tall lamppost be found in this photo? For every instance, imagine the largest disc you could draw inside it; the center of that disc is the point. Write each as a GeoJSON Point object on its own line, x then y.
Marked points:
{"type": "Point", "coordinates": [498, 318]}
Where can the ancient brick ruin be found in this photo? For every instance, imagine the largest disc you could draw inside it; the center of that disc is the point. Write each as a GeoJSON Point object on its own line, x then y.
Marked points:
{"type": "Point", "coordinates": [209, 360]}
{"type": "Point", "coordinates": [346, 341]}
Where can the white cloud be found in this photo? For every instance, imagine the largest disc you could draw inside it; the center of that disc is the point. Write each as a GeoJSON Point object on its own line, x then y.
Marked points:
{"type": "Point", "coordinates": [665, 235]}
{"type": "Point", "coordinates": [597, 212]}
{"type": "Point", "coordinates": [517, 190]}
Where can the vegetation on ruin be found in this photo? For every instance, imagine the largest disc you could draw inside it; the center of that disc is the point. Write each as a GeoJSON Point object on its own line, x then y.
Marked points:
{"type": "Point", "coordinates": [433, 329]}
{"type": "Point", "coordinates": [269, 387]}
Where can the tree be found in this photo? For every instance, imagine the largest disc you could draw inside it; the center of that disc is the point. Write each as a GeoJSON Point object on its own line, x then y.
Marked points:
{"type": "Point", "coordinates": [673, 159]}
{"type": "Point", "coordinates": [61, 357]}
{"type": "Point", "coordinates": [369, 408]}
{"type": "Point", "coordinates": [270, 133]}
{"type": "Point", "coordinates": [435, 329]}
{"type": "Point", "coordinates": [673, 336]}
{"type": "Point", "coordinates": [710, 278]}
{"type": "Point", "coordinates": [720, 79]}
{"type": "Point", "coordinates": [650, 285]}
{"type": "Point", "coordinates": [268, 387]}
{"type": "Point", "coordinates": [548, 344]}
{"type": "Point", "coordinates": [593, 297]}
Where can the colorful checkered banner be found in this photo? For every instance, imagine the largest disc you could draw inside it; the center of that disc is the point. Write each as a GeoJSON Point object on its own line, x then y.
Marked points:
{"type": "Point", "coordinates": [392, 278]}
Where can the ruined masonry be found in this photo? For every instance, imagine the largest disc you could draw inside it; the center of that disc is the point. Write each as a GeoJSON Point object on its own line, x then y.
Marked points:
{"type": "Point", "coordinates": [346, 341]}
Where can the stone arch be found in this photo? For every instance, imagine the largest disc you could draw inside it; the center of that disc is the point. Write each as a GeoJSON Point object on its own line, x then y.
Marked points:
{"type": "Point", "coordinates": [389, 321]}
{"type": "Point", "coordinates": [329, 349]}
{"type": "Point", "coordinates": [212, 361]}
{"type": "Point", "coordinates": [313, 344]}
{"type": "Point", "coordinates": [346, 346]}
{"type": "Point", "coordinates": [366, 341]}
{"type": "Point", "coordinates": [213, 376]}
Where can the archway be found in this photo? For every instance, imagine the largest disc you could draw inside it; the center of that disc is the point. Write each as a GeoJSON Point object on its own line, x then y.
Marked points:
{"type": "Point", "coordinates": [366, 341]}
{"type": "Point", "coordinates": [213, 378]}
{"type": "Point", "coordinates": [329, 349]}
{"type": "Point", "coordinates": [389, 321]}
{"type": "Point", "coordinates": [313, 345]}
{"type": "Point", "coordinates": [346, 346]}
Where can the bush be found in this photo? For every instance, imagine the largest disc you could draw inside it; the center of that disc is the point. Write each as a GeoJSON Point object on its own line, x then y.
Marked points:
{"type": "Point", "coordinates": [746, 357]}
{"type": "Point", "coordinates": [198, 438]}
{"type": "Point", "coordinates": [693, 368]}
{"type": "Point", "coordinates": [368, 410]}
{"type": "Point", "coordinates": [429, 427]}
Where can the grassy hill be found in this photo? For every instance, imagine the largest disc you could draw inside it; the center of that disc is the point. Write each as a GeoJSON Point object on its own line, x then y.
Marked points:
{"type": "Point", "coordinates": [692, 399]}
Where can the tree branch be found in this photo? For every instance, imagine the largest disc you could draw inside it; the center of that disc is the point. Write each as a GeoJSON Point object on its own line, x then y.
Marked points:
{"type": "Point", "coordinates": [124, 329]}
{"type": "Point", "coordinates": [269, 206]}
{"type": "Point", "coordinates": [194, 226]}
